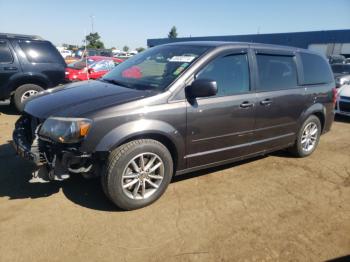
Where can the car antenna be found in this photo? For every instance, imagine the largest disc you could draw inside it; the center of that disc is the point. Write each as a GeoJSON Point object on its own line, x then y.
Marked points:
{"type": "Point", "coordinates": [86, 58]}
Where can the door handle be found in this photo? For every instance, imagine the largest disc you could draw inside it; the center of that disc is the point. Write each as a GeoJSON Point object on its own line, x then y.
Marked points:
{"type": "Point", "coordinates": [10, 68]}
{"type": "Point", "coordinates": [246, 104]}
{"type": "Point", "coordinates": [266, 102]}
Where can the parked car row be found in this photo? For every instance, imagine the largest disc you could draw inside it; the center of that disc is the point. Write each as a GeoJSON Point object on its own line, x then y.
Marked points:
{"type": "Point", "coordinates": [339, 59]}
{"type": "Point", "coordinates": [92, 67]}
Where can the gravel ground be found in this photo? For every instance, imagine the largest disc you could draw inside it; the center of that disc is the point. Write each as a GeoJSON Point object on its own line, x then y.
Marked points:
{"type": "Point", "coordinates": [273, 208]}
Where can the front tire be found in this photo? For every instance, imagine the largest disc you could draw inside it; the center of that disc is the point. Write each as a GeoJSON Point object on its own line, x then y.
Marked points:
{"type": "Point", "coordinates": [22, 93]}
{"type": "Point", "coordinates": [137, 173]}
{"type": "Point", "coordinates": [308, 137]}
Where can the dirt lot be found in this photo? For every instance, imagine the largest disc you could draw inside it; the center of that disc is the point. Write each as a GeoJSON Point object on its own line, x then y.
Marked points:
{"type": "Point", "coordinates": [270, 208]}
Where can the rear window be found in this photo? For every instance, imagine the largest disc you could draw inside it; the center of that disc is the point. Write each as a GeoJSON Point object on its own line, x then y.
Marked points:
{"type": "Point", "coordinates": [316, 69]}
{"type": "Point", "coordinates": [276, 72]}
{"type": "Point", "coordinates": [40, 52]}
{"type": "Point", "coordinates": [5, 53]}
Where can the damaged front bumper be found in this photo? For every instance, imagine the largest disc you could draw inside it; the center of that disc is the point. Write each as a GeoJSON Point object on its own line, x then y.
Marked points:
{"type": "Point", "coordinates": [59, 160]}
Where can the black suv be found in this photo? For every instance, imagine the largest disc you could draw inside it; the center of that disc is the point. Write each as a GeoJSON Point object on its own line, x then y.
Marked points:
{"type": "Point", "coordinates": [28, 65]}
{"type": "Point", "coordinates": [178, 108]}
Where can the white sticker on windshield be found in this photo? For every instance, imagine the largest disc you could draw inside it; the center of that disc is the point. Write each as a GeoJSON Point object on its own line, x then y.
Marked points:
{"type": "Point", "coordinates": [182, 59]}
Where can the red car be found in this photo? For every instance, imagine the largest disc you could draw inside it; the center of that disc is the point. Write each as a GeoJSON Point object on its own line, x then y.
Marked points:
{"type": "Point", "coordinates": [93, 67]}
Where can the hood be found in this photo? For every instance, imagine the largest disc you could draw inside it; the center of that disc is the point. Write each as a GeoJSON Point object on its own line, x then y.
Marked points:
{"type": "Point", "coordinates": [78, 99]}
{"type": "Point", "coordinates": [344, 91]}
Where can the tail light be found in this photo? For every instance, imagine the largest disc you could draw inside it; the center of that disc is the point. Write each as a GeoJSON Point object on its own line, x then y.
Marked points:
{"type": "Point", "coordinates": [335, 95]}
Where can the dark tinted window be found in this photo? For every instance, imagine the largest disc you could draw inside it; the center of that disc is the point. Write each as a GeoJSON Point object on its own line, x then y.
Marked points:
{"type": "Point", "coordinates": [40, 52]}
{"type": "Point", "coordinates": [230, 72]}
{"type": "Point", "coordinates": [316, 69]}
{"type": "Point", "coordinates": [5, 53]}
{"type": "Point", "coordinates": [276, 72]}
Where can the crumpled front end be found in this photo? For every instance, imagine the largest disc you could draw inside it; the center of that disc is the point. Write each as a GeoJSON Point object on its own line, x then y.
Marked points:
{"type": "Point", "coordinates": [57, 159]}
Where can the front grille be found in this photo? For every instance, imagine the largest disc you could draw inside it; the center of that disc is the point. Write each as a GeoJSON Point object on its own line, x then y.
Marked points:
{"type": "Point", "coordinates": [29, 127]}
{"type": "Point", "coordinates": [344, 106]}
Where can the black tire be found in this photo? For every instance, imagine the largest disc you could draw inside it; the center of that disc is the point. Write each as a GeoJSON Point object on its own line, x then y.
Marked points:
{"type": "Point", "coordinates": [297, 149]}
{"type": "Point", "coordinates": [117, 163]}
{"type": "Point", "coordinates": [20, 91]}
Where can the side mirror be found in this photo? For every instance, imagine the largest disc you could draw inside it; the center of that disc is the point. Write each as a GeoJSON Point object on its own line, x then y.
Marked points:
{"type": "Point", "coordinates": [202, 88]}
{"type": "Point", "coordinates": [90, 70]}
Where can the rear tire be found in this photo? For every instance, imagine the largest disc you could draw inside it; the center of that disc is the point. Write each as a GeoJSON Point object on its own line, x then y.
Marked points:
{"type": "Point", "coordinates": [308, 137]}
{"type": "Point", "coordinates": [137, 173]}
{"type": "Point", "coordinates": [22, 93]}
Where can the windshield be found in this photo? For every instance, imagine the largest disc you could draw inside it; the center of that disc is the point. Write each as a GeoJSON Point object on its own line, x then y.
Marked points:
{"type": "Point", "coordinates": [81, 64]}
{"type": "Point", "coordinates": [155, 68]}
{"type": "Point", "coordinates": [340, 69]}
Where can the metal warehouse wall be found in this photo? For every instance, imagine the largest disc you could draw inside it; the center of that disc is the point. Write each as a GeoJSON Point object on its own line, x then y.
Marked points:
{"type": "Point", "coordinates": [298, 39]}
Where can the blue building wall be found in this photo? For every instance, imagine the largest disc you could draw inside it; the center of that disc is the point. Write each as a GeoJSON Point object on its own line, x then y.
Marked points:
{"type": "Point", "coordinates": [298, 39]}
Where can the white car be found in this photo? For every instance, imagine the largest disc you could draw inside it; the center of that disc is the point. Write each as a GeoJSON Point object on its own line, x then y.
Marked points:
{"type": "Point", "coordinates": [342, 80]}
{"type": "Point", "coordinates": [343, 101]}
{"type": "Point", "coordinates": [66, 53]}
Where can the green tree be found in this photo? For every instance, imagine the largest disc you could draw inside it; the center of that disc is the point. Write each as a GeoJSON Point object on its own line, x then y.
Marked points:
{"type": "Point", "coordinates": [93, 41]}
{"type": "Point", "coordinates": [173, 32]}
{"type": "Point", "coordinates": [126, 48]}
{"type": "Point", "coordinates": [140, 49]}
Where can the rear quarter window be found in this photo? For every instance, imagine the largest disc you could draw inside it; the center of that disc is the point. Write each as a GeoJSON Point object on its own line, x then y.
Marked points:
{"type": "Point", "coordinates": [40, 52]}
{"type": "Point", "coordinates": [5, 53]}
{"type": "Point", "coordinates": [316, 69]}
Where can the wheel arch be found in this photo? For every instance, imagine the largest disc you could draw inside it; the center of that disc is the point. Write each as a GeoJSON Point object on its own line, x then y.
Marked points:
{"type": "Point", "coordinates": [39, 80]}
{"type": "Point", "coordinates": [316, 109]}
{"type": "Point", "coordinates": [145, 129]}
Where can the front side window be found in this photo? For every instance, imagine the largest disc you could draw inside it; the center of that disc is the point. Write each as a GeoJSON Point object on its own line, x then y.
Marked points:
{"type": "Point", "coordinates": [230, 72]}
{"type": "Point", "coordinates": [276, 72]}
{"type": "Point", "coordinates": [156, 68]}
{"type": "Point", "coordinates": [5, 53]}
{"type": "Point", "coordinates": [40, 52]}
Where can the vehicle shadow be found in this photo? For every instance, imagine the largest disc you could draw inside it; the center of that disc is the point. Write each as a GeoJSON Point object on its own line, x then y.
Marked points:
{"type": "Point", "coordinates": [15, 174]}
{"type": "Point", "coordinates": [8, 109]}
{"type": "Point", "coordinates": [343, 119]}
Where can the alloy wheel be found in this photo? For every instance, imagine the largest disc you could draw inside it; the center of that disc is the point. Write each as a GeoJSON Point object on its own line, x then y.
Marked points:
{"type": "Point", "coordinates": [143, 176]}
{"type": "Point", "coordinates": [309, 137]}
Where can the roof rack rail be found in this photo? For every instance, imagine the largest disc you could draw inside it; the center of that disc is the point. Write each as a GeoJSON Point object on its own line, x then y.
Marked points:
{"type": "Point", "coordinates": [31, 37]}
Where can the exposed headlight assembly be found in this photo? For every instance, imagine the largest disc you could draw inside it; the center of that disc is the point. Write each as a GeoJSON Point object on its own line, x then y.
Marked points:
{"type": "Point", "coordinates": [65, 130]}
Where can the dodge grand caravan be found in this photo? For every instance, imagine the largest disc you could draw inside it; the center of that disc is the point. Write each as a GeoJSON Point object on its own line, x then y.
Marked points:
{"type": "Point", "coordinates": [178, 108]}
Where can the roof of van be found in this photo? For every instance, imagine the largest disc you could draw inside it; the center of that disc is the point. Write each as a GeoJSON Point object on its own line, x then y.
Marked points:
{"type": "Point", "coordinates": [224, 43]}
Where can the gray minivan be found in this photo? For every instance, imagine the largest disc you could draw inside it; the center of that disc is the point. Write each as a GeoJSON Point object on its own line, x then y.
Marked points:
{"type": "Point", "coordinates": [178, 108]}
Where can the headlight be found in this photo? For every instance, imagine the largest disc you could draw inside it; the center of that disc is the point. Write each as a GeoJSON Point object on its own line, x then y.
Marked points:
{"type": "Point", "coordinates": [65, 130]}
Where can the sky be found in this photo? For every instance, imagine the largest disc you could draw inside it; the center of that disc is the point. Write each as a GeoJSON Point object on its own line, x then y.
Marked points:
{"type": "Point", "coordinates": [131, 23]}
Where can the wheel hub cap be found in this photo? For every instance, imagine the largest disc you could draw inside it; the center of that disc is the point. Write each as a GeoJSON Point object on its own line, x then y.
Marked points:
{"type": "Point", "coordinates": [143, 176]}
{"type": "Point", "coordinates": [309, 137]}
